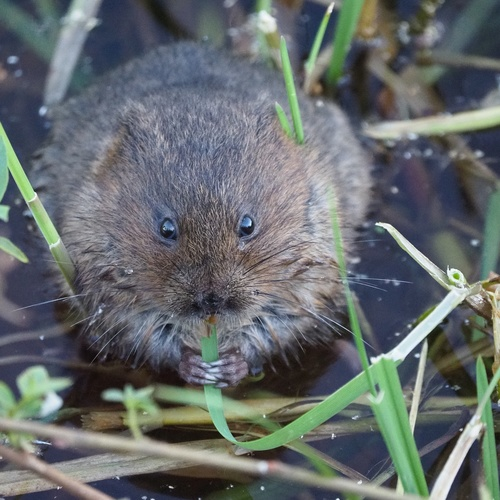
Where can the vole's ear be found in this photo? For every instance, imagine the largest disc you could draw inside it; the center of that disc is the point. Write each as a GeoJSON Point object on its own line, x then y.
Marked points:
{"type": "Point", "coordinates": [129, 133]}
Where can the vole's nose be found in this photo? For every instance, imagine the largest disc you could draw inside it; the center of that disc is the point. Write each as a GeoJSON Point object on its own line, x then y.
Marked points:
{"type": "Point", "coordinates": [209, 303]}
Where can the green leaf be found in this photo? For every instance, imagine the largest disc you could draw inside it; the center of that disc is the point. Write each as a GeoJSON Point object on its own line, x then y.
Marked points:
{"type": "Point", "coordinates": [390, 411]}
{"type": "Point", "coordinates": [4, 213]}
{"type": "Point", "coordinates": [4, 169]}
{"type": "Point", "coordinates": [36, 382]}
{"type": "Point", "coordinates": [7, 399]}
{"type": "Point", "coordinates": [8, 247]}
{"type": "Point", "coordinates": [113, 395]}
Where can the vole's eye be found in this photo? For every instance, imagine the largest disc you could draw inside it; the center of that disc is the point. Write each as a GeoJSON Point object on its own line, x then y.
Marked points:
{"type": "Point", "coordinates": [168, 229]}
{"type": "Point", "coordinates": [247, 226]}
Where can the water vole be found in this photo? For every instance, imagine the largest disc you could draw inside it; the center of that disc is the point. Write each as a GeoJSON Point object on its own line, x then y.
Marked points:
{"type": "Point", "coordinates": [179, 197]}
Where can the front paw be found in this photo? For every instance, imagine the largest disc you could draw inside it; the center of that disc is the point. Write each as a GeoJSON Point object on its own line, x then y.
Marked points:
{"type": "Point", "coordinates": [227, 371]}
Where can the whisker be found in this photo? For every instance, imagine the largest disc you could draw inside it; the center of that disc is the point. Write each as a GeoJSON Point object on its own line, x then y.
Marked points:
{"type": "Point", "coordinates": [51, 301]}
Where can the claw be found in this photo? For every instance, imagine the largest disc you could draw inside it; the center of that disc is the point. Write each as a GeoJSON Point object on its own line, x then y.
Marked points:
{"type": "Point", "coordinates": [227, 371]}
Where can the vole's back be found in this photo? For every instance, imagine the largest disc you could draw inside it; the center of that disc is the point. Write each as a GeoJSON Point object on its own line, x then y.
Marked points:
{"type": "Point", "coordinates": [85, 124]}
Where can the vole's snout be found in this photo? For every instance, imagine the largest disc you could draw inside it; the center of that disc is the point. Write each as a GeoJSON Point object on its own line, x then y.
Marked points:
{"type": "Point", "coordinates": [209, 302]}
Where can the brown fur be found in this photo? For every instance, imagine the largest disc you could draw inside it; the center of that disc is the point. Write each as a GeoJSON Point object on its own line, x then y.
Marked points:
{"type": "Point", "coordinates": [190, 133]}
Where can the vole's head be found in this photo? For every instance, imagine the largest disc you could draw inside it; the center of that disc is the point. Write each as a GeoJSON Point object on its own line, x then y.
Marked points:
{"type": "Point", "coordinates": [204, 210]}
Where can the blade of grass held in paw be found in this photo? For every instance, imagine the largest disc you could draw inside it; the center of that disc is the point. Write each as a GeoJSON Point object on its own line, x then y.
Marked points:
{"type": "Point", "coordinates": [341, 398]}
{"type": "Point", "coordinates": [292, 431]}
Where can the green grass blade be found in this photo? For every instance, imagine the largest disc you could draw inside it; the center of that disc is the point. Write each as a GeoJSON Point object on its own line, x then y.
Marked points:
{"type": "Point", "coordinates": [438, 314]}
{"type": "Point", "coordinates": [491, 245]}
{"type": "Point", "coordinates": [465, 121]}
{"type": "Point", "coordinates": [8, 247]}
{"type": "Point", "coordinates": [4, 213]}
{"type": "Point", "coordinates": [285, 124]}
{"type": "Point", "coordinates": [322, 412]}
{"type": "Point", "coordinates": [40, 215]}
{"type": "Point", "coordinates": [344, 32]}
{"type": "Point", "coordinates": [5, 244]}
{"type": "Point", "coordinates": [350, 391]}
{"type": "Point", "coordinates": [390, 411]}
{"type": "Point", "coordinates": [4, 170]}
{"type": "Point", "coordinates": [291, 93]}
{"type": "Point", "coordinates": [353, 317]}
{"type": "Point", "coordinates": [318, 39]}
{"type": "Point", "coordinates": [489, 453]}
{"type": "Point", "coordinates": [438, 274]}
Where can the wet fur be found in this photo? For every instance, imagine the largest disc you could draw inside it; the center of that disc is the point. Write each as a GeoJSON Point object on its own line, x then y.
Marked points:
{"type": "Point", "coordinates": [190, 133]}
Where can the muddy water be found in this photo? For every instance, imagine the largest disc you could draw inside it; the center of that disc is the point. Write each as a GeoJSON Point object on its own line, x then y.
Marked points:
{"type": "Point", "coordinates": [420, 191]}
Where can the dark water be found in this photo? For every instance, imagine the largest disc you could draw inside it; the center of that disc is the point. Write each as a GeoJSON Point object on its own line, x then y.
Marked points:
{"type": "Point", "coordinates": [420, 191]}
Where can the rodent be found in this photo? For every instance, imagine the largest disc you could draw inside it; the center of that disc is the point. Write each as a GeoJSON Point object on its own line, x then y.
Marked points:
{"type": "Point", "coordinates": [179, 198]}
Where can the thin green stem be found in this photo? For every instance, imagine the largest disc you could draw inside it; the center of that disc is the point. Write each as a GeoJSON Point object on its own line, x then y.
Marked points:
{"type": "Point", "coordinates": [344, 32]}
{"type": "Point", "coordinates": [291, 93]}
{"type": "Point", "coordinates": [40, 215]}
{"type": "Point", "coordinates": [318, 39]}
{"type": "Point", "coordinates": [285, 124]}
